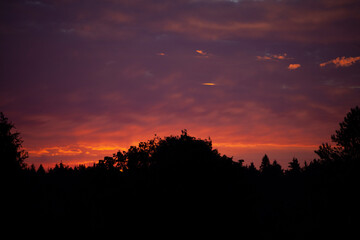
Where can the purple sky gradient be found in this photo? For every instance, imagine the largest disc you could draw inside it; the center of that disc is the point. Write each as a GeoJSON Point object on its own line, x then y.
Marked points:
{"type": "Point", "coordinates": [83, 79]}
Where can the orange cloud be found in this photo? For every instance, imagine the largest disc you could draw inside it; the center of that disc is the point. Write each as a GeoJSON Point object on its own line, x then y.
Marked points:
{"type": "Point", "coordinates": [341, 61]}
{"type": "Point", "coordinates": [263, 58]}
{"type": "Point", "coordinates": [257, 145]}
{"type": "Point", "coordinates": [53, 151]}
{"type": "Point", "coordinates": [74, 154]}
{"type": "Point", "coordinates": [202, 53]}
{"type": "Point", "coordinates": [104, 147]}
{"type": "Point", "coordinates": [209, 84]}
{"type": "Point", "coordinates": [294, 66]}
{"type": "Point", "coordinates": [280, 57]}
{"type": "Point", "coordinates": [273, 57]}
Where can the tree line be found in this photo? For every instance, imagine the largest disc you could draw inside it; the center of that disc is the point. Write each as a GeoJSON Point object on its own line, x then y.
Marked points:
{"type": "Point", "coordinates": [182, 179]}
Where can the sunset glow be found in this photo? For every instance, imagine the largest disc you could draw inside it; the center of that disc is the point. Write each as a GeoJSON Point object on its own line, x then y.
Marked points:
{"type": "Point", "coordinates": [83, 81]}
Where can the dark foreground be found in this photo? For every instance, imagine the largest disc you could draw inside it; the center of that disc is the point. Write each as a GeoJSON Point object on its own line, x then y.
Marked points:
{"type": "Point", "coordinates": [317, 201]}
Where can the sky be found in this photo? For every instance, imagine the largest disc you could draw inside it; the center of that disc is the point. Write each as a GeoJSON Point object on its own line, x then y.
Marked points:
{"type": "Point", "coordinates": [83, 79]}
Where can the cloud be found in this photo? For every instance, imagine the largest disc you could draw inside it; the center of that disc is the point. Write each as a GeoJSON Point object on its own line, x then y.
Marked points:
{"type": "Point", "coordinates": [289, 20]}
{"type": "Point", "coordinates": [202, 53]}
{"type": "Point", "coordinates": [299, 21]}
{"type": "Point", "coordinates": [294, 66]}
{"type": "Point", "coordinates": [273, 57]}
{"type": "Point", "coordinates": [54, 151]}
{"type": "Point", "coordinates": [280, 57]}
{"type": "Point", "coordinates": [341, 61]}
{"type": "Point", "coordinates": [209, 84]}
{"type": "Point", "coordinates": [263, 58]}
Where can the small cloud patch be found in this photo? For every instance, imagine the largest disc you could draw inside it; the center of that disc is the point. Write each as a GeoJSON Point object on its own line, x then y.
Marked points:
{"type": "Point", "coordinates": [202, 53]}
{"type": "Point", "coordinates": [294, 66]}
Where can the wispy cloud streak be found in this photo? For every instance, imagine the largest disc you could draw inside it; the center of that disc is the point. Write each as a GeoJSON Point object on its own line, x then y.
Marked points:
{"type": "Point", "coordinates": [273, 57]}
{"type": "Point", "coordinates": [341, 61]}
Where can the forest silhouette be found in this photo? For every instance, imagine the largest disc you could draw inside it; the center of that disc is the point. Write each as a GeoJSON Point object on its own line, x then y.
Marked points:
{"type": "Point", "coordinates": [180, 184]}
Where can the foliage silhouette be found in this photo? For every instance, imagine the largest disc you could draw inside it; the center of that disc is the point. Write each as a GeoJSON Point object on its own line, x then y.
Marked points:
{"type": "Point", "coordinates": [179, 182]}
{"type": "Point", "coordinates": [11, 155]}
{"type": "Point", "coordinates": [347, 139]}
{"type": "Point", "coordinates": [294, 167]}
{"type": "Point", "coordinates": [265, 163]}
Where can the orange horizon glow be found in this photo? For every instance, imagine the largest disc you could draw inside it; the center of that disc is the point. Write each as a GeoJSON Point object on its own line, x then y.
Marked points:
{"type": "Point", "coordinates": [88, 154]}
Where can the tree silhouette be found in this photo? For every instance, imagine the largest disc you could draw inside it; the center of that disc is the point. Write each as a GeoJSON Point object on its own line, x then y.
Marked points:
{"type": "Point", "coordinates": [347, 139]}
{"type": "Point", "coordinates": [138, 157]}
{"type": "Point", "coordinates": [265, 163]}
{"type": "Point", "coordinates": [41, 170]}
{"type": "Point", "coordinates": [294, 167]}
{"type": "Point", "coordinates": [276, 168]}
{"type": "Point", "coordinates": [120, 159]}
{"type": "Point", "coordinates": [11, 155]}
{"type": "Point", "coordinates": [268, 170]}
{"type": "Point", "coordinates": [186, 160]}
{"type": "Point", "coordinates": [253, 172]}
{"type": "Point", "coordinates": [348, 136]}
{"type": "Point", "coordinates": [108, 163]}
{"type": "Point", "coordinates": [184, 152]}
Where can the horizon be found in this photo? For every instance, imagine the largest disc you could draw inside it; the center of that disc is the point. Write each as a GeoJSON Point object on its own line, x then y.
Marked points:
{"type": "Point", "coordinates": [250, 150]}
{"type": "Point", "coordinates": [82, 81]}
